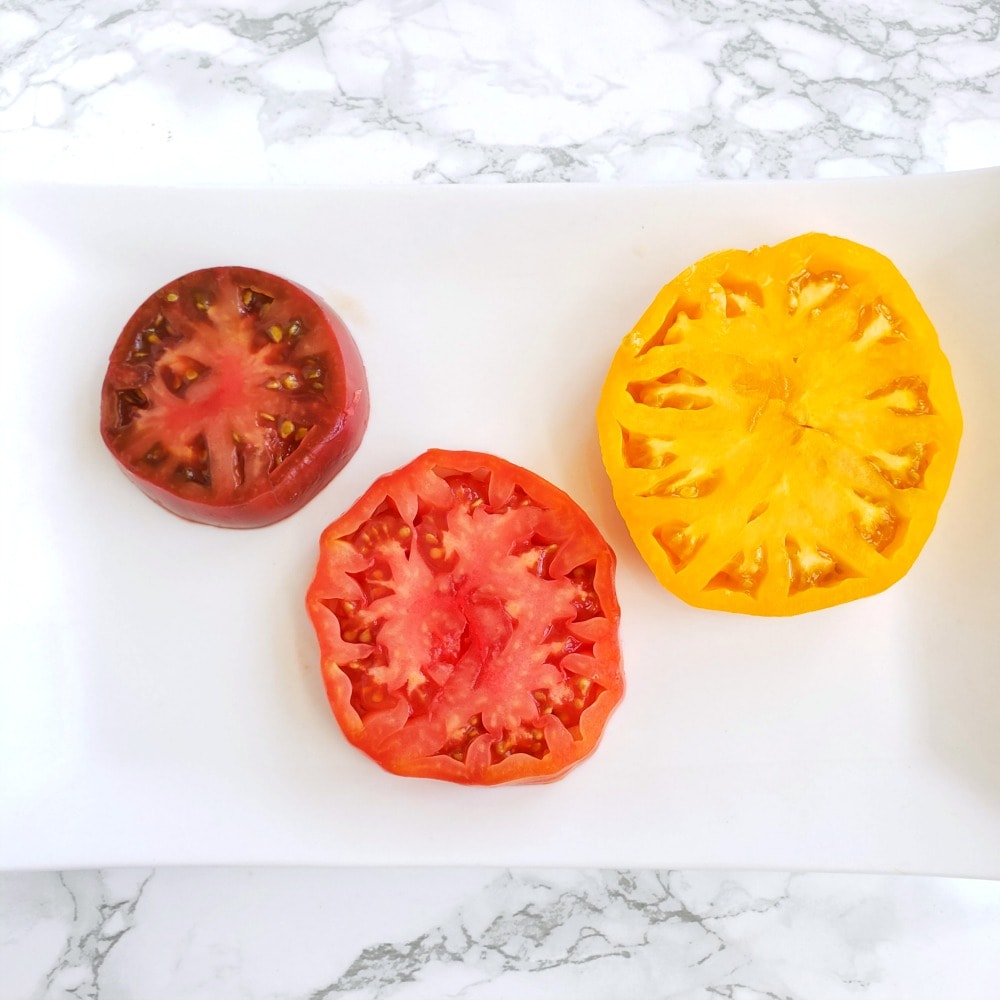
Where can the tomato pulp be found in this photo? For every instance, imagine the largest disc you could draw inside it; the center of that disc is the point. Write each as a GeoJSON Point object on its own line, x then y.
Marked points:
{"type": "Point", "coordinates": [468, 623]}
{"type": "Point", "coordinates": [232, 397]}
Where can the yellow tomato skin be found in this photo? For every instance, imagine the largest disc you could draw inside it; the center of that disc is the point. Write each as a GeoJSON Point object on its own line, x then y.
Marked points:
{"type": "Point", "coordinates": [780, 428]}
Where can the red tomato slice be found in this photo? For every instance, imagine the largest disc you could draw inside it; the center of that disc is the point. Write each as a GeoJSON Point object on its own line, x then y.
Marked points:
{"type": "Point", "coordinates": [232, 397]}
{"type": "Point", "coordinates": [468, 623]}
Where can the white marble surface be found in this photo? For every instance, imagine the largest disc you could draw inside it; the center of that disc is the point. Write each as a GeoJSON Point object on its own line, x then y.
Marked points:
{"type": "Point", "coordinates": [417, 91]}
{"type": "Point", "coordinates": [457, 90]}
{"type": "Point", "coordinates": [487, 935]}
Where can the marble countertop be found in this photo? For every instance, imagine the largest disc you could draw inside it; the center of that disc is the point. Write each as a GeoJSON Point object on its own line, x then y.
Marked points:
{"type": "Point", "coordinates": [482, 91]}
{"type": "Point", "coordinates": [371, 91]}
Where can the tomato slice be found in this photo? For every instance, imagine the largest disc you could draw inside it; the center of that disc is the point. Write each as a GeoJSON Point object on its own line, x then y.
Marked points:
{"type": "Point", "coordinates": [780, 428]}
{"type": "Point", "coordinates": [468, 623]}
{"type": "Point", "coordinates": [232, 397]}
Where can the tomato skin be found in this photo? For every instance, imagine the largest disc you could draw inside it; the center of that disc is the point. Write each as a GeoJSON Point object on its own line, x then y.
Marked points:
{"type": "Point", "coordinates": [338, 423]}
{"type": "Point", "coordinates": [507, 610]}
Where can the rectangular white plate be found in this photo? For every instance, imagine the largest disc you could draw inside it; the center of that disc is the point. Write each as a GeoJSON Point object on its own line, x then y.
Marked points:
{"type": "Point", "coordinates": [160, 699]}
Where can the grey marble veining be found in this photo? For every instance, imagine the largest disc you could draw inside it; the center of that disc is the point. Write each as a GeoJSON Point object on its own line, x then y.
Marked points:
{"type": "Point", "coordinates": [381, 935]}
{"type": "Point", "coordinates": [458, 91]}
{"type": "Point", "coordinates": [444, 91]}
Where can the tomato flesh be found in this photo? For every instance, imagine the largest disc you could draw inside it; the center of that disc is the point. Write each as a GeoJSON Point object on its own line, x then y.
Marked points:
{"type": "Point", "coordinates": [468, 623]}
{"type": "Point", "coordinates": [233, 396]}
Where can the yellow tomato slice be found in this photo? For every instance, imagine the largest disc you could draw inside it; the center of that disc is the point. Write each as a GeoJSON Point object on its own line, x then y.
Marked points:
{"type": "Point", "coordinates": [780, 428]}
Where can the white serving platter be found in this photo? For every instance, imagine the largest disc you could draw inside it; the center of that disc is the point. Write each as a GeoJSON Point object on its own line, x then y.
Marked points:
{"type": "Point", "coordinates": [160, 698]}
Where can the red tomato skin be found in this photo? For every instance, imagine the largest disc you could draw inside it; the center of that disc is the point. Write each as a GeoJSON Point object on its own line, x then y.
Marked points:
{"type": "Point", "coordinates": [516, 769]}
{"type": "Point", "coordinates": [296, 483]}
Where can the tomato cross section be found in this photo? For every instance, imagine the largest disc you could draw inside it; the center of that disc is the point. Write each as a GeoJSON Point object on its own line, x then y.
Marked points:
{"type": "Point", "coordinates": [233, 396]}
{"type": "Point", "coordinates": [468, 623]}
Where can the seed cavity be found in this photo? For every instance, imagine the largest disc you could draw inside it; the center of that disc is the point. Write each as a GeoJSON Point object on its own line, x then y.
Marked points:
{"type": "Point", "coordinates": [150, 341]}
{"type": "Point", "coordinates": [906, 396]}
{"type": "Point", "coordinates": [742, 295]}
{"type": "Point", "coordinates": [194, 466]}
{"type": "Point", "coordinates": [567, 700]}
{"type": "Point", "coordinates": [810, 566]}
{"type": "Point", "coordinates": [586, 603]}
{"type": "Point", "coordinates": [640, 451]}
{"type": "Point", "coordinates": [239, 456]}
{"type": "Point", "coordinates": [369, 691]}
{"type": "Point", "coordinates": [462, 737]}
{"type": "Point", "coordinates": [689, 484]}
{"type": "Point", "coordinates": [810, 293]}
{"type": "Point", "coordinates": [155, 455]}
{"type": "Point", "coordinates": [676, 324]}
{"type": "Point", "coordinates": [254, 302]}
{"type": "Point", "coordinates": [904, 469]}
{"type": "Point", "coordinates": [130, 403]}
{"type": "Point", "coordinates": [311, 369]}
{"type": "Point", "coordinates": [876, 324]}
{"type": "Point", "coordinates": [876, 521]}
{"type": "Point", "coordinates": [679, 389]}
{"type": "Point", "coordinates": [525, 740]}
{"type": "Point", "coordinates": [181, 372]}
{"type": "Point", "coordinates": [680, 543]}
{"type": "Point", "coordinates": [743, 574]}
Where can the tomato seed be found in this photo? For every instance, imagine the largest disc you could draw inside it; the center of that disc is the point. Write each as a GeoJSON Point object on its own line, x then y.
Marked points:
{"type": "Point", "coordinates": [290, 381]}
{"type": "Point", "coordinates": [254, 301]}
{"type": "Point", "coordinates": [172, 296]}
{"type": "Point", "coordinates": [275, 333]}
{"type": "Point", "coordinates": [156, 454]}
{"type": "Point", "coordinates": [286, 428]}
{"type": "Point", "coordinates": [193, 475]}
{"type": "Point", "coordinates": [294, 328]}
